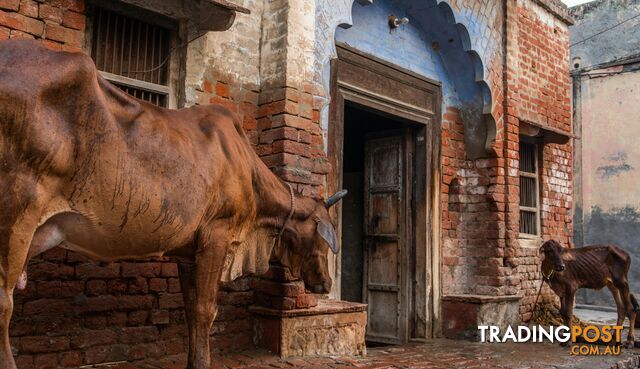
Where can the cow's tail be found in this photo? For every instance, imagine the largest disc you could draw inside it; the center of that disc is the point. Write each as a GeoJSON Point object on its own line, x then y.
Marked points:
{"type": "Point", "coordinates": [636, 307]}
{"type": "Point", "coordinates": [634, 302]}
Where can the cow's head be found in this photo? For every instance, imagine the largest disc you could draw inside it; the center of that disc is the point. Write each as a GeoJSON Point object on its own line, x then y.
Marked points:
{"type": "Point", "coordinates": [306, 241]}
{"type": "Point", "coordinates": [552, 251]}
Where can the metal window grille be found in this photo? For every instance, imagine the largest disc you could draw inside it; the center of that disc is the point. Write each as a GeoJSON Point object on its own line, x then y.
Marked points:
{"type": "Point", "coordinates": [132, 55]}
{"type": "Point", "coordinates": [529, 200]}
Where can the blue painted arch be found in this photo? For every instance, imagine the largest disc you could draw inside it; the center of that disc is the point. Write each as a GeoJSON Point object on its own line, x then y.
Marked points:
{"type": "Point", "coordinates": [434, 45]}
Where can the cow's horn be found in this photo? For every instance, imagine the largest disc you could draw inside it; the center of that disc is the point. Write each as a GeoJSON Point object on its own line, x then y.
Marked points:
{"type": "Point", "coordinates": [333, 199]}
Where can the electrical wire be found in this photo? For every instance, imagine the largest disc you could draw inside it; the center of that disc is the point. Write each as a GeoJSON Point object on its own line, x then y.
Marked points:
{"type": "Point", "coordinates": [605, 30]}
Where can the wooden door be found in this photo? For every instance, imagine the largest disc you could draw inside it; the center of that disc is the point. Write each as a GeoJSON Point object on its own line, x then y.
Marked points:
{"type": "Point", "coordinates": [385, 239]}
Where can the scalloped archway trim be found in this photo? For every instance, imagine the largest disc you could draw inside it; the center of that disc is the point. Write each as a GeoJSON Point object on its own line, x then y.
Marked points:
{"type": "Point", "coordinates": [338, 13]}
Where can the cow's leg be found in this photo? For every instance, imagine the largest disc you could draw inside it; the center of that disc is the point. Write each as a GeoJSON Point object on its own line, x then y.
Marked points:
{"type": "Point", "coordinates": [6, 308]}
{"type": "Point", "coordinates": [14, 248]}
{"type": "Point", "coordinates": [199, 282]}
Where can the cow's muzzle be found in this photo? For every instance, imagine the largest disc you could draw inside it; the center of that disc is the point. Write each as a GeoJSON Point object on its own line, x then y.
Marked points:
{"type": "Point", "coordinates": [320, 289]}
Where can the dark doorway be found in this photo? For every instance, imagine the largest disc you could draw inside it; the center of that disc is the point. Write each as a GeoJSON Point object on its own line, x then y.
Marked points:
{"type": "Point", "coordinates": [377, 245]}
{"type": "Point", "coordinates": [384, 146]}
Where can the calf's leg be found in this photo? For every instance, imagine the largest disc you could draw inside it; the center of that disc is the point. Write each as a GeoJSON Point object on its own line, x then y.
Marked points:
{"type": "Point", "coordinates": [566, 309]}
{"type": "Point", "coordinates": [620, 308]}
{"type": "Point", "coordinates": [623, 286]}
{"type": "Point", "coordinates": [199, 282]}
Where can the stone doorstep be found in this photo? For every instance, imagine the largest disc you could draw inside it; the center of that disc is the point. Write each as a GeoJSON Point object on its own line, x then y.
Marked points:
{"type": "Point", "coordinates": [461, 314]}
{"type": "Point", "coordinates": [324, 307]}
{"type": "Point", "coordinates": [480, 299]}
{"type": "Point", "coordinates": [330, 328]}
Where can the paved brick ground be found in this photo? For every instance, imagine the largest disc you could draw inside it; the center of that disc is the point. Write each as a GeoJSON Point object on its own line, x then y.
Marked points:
{"type": "Point", "coordinates": [435, 354]}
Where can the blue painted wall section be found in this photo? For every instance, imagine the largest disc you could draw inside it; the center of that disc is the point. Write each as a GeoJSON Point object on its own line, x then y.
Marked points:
{"type": "Point", "coordinates": [431, 45]}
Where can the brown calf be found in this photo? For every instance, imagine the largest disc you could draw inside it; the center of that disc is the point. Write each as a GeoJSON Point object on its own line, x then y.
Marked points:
{"type": "Point", "coordinates": [595, 267]}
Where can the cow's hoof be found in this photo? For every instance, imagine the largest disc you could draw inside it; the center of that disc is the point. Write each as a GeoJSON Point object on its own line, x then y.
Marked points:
{"type": "Point", "coordinates": [629, 344]}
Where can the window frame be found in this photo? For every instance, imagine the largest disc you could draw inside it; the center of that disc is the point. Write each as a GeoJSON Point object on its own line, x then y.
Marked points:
{"type": "Point", "coordinates": [536, 176]}
{"type": "Point", "coordinates": [176, 70]}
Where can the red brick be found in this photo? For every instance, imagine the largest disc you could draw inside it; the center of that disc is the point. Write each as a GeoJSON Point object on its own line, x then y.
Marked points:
{"type": "Point", "coordinates": [158, 284]}
{"type": "Point", "coordinates": [222, 89]}
{"type": "Point", "coordinates": [21, 22]}
{"type": "Point", "coordinates": [136, 302]}
{"type": "Point", "coordinates": [36, 345]}
{"type": "Point", "coordinates": [306, 301]}
{"type": "Point", "coordinates": [90, 338]}
{"type": "Point", "coordinates": [10, 4]}
{"type": "Point", "coordinates": [206, 86]}
{"type": "Point", "coordinates": [173, 285]}
{"type": "Point", "coordinates": [51, 13]}
{"type": "Point", "coordinates": [290, 289]}
{"type": "Point", "coordinates": [169, 270]}
{"type": "Point", "coordinates": [96, 287]}
{"type": "Point", "coordinates": [138, 285]}
{"type": "Point", "coordinates": [73, 20]}
{"type": "Point", "coordinates": [139, 334]}
{"type": "Point", "coordinates": [46, 361]}
{"type": "Point", "coordinates": [96, 304]}
{"type": "Point", "coordinates": [46, 307]}
{"type": "Point", "coordinates": [160, 317]}
{"type": "Point", "coordinates": [63, 34]}
{"type": "Point", "coordinates": [30, 9]}
{"type": "Point", "coordinates": [70, 359]}
{"type": "Point", "coordinates": [171, 301]}
{"type": "Point", "coordinates": [4, 33]}
{"type": "Point", "coordinates": [75, 5]}
{"type": "Point", "coordinates": [25, 362]}
{"type": "Point", "coordinates": [137, 318]}
{"type": "Point", "coordinates": [107, 353]}
{"type": "Point", "coordinates": [147, 270]}
{"type": "Point", "coordinates": [91, 270]}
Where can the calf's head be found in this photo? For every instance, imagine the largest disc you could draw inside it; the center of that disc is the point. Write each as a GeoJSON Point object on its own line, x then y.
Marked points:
{"type": "Point", "coordinates": [306, 241]}
{"type": "Point", "coordinates": [553, 251]}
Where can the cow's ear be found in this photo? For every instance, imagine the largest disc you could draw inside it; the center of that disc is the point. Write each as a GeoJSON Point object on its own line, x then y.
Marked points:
{"type": "Point", "coordinates": [328, 233]}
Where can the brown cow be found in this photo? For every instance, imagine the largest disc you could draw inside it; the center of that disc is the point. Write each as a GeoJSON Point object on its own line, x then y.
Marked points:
{"type": "Point", "coordinates": [595, 266]}
{"type": "Point", "coordinates": [89, 168]}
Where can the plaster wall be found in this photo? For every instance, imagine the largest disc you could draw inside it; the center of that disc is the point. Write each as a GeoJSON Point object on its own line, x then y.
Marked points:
{"type": "Point", "coordinates": [609, 210]}
{"type": "Point", "coordinates": [597, 16]}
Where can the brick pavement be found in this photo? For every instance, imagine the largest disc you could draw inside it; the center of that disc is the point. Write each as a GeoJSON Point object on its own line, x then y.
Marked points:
{"type": "Point", "coordinates": [434, 354]}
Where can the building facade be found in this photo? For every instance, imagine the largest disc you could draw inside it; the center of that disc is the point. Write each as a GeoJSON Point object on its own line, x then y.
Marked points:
{"type": "Point", "coordinates": [606, 78]}
{"type": "Point", "coordinates": [448, 121]}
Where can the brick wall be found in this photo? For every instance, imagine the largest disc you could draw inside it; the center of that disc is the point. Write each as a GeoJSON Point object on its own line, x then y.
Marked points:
{"type": "Point", "coordinates": [59, 23]}
{"type": "Point", "coordinates": [75, 311]}
{"type": "Point", "coordinates": [542, 81]}
{"type": "Point", "coordinates": [539, 93]}
{"type": "Point", "coordinates": [481, 246]}
{"type": "Point", "coordinates": [472, 253]}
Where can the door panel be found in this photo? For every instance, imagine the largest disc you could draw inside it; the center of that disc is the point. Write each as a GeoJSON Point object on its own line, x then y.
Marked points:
{"type": "Point", "coordinates": [384, 239]}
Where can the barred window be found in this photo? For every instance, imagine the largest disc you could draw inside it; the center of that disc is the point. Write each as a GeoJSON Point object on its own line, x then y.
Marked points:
{"type": "Point", "coordinates": [132, 54]}
{"type": "Point", "coordinates": [529, 199]}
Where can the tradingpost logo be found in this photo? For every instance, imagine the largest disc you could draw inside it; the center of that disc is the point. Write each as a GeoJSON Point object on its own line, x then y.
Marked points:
{"type": "Point", "coordinates": [584, 340]}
